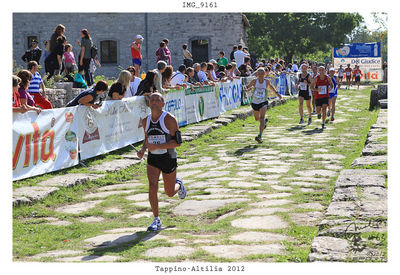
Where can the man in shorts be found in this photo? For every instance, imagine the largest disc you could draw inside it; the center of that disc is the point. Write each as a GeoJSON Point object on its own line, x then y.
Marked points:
{"type": "Point", "coordinates": [357, 76]}
{"type": "Point", "coordinates": [162, 136]}
{"type": "Point", "coordinates": [322, 84]}
{"type": "Point", "coordinates": [314, 74]}
{"type": "Point", "coordinates": [259, 101]}
{"type": "Point", "coordinates": [333, 94]}
{"type": "Point", "coordinates": [136, 48]}
{"type": "Point", "coordinates": [340, 74]}
{"type": "Point", "coordinates": [303, 86]}
{"type": "Point", "coordinates": [348, 72]}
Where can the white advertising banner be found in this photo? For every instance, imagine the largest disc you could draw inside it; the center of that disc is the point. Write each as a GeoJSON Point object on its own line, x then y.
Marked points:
{"type": "Point", "coordinates": [44, 143]}
{"type": "Point", "coordinates": [229, 95]}
{"type": "Point", "coordinates": [116, 124]}
{"type": "Point", "coordinates": [371, 67]}
{"type": "Point", "coordinates": [175, 104]}
{"type": "Point", "coordinates": [201, 104]}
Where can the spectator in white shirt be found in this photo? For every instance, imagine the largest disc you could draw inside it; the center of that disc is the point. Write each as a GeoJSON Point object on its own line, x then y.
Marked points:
{"type": "Point", "coordinates": [178, 78]}
{"type": "Point", "coordinates": [295, 68]}
{"type": "Point", "coordinates": [239, 56]}
{"type": "Point", "coordinates": [134, 83]}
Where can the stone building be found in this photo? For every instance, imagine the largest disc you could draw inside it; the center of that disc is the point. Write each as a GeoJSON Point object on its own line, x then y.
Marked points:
{"type": "Point", "coordinates": [205, 33]}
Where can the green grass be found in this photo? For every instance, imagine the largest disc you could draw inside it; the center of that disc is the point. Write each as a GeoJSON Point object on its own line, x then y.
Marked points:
{"type": "Point", "coordinates": [31, 235]}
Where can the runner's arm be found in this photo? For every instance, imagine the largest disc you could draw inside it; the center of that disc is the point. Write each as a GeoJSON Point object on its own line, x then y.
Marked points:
{"type": "Point", "coordinates": [330, 84]}
{"type": "Point", "coordinates": [140, 154]}
{"type": "Point", "coordinates": [273, 89]}
{"type": "Point", "coordinates": [251, 85]}
{"type": "Point", "coordinates": [313, 84]}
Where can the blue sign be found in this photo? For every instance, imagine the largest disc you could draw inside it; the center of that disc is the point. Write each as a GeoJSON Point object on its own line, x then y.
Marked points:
{"type": "Point", "coordinates": [357, 50]}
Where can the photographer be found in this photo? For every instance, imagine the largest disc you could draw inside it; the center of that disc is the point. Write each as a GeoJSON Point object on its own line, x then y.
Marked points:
{"type": "Point", "coordinates": [89, 96]}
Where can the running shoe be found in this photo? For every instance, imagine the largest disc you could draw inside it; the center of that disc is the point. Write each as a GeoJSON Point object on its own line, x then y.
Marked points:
{"type": "Point", "coordinates": [309, 121]}
{"type": "Point", "coordinates": [329, 113]}
{"type": "Point", "coordinates": [182, 190]}
{"type": "Point", "coordinates": [323, 126]}
{"type": "Point", "coordinates": [301, 121]}
{"type": "Point", "coordinates": [314, 112]}
{"type": "Point", "coordinates": [265, 122]}
{"type": "Point", "coordinates": [155, 226]}
{"type": "Point", "coordinates": [332, 118]}
{"type": "Point", "coordinates": [258, 139]}
{"type": "Point", "coordinates": [319, 116]}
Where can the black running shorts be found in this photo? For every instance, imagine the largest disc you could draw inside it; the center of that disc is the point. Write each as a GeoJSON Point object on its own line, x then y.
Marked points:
{"type": "Point", "coordinates": [257, 107]}
{"type": "Point", "coordinates": [358, 78]}
{"type": "Point", "coordinates": [322, 101]}
{"type": "Point", "coordinates": [163, 162]}
{"type": "Point", "coordinates": [305, 94]}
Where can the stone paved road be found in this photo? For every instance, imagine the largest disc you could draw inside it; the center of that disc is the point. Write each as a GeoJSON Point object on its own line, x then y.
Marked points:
{"type": "Point", "coordinates": [246, 202]}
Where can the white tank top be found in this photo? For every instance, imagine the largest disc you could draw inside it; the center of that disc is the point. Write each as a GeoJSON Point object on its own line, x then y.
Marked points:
{"type": "Point", "coordinates": [260, 92]}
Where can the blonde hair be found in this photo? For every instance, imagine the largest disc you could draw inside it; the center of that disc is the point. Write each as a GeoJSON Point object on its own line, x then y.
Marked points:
{"type": "Point", "coordinates": [124, 78]}
{"type": "Point", "coordinates": [260, 70]}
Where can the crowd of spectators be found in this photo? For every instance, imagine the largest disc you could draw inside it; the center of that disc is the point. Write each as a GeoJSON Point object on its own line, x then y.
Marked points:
{"type": "Point", "coordinates": [31, 95]}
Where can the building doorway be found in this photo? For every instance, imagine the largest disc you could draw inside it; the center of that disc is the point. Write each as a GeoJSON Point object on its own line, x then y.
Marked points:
{"type": "Point", "coordinates": [200, 50]}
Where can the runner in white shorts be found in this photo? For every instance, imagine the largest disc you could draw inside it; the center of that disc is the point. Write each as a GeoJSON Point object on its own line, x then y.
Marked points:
{"type": "Point", "coordinates": [260, 101]}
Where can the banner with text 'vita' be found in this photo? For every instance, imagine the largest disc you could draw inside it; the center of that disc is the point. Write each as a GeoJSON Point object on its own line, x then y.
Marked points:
{"type": "Point", "coordinates": [44, 143]}
{"type": "Point", "coordinates": [116, 124]}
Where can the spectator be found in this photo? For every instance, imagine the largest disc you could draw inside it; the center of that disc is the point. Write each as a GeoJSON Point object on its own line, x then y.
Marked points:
{"type": "Point", "coordinates": [221, 69]}
{"type": "Point", "coordinates": [25, 98]}
{"type": "Point", "coordinates": [116, 91]}
{"type": "Point", "coordinates": [178, 78]}
{"type": "Point", "coordinates": [210, 68]}
{"type": "Point", "coordinates": [35, 85]}
{"type": "Point", "coordinates": [232, 56]}
{"type": "Point", "coordinates": [94, 63]}
{"type": "Point", "coordinates": [53, 63]}
{"type": "Point", "coordinates": [46, 49]}
{"type": "Point", "coordinates": [136, 49]}
{"type": "Point", "coordinates": [196, 68]}
{"type": "Point", "coordinates": [166, 77]}
{"type": "Point", "coordinates": [124, 79]}
{"type": "Point", "coordinates": [202, 73]}
{"type": "Point", "coordinates": [59, 31]}
{"type": "Point", "coordinates": [134, 82]}
{"type": "Point", "coordinates": [167, 51]}
{"type": "Point", "coordinates": [235, 69]}
{"type": "Point", "coordinates": [160, 53]}
{"type": "Point", "coordinates": [295, 68]}
{"type": "Point", "coordinates": [69, 59]}
{"type": "Point", "coordinates": [222, 60]}
{"type": "Point", "coordinates": [89, 96]}
{"type": "Point", "coordinates": [33, 54]}
{"type": "Point", "coordinates": [190, 74]}
{"type": "Point", "coordinates": [187, 56]}
{"type": "Point", "coordinates": [147, 85]}
{"type": "Point", "coordinates": [85, 55]}
{"type": "Point", "coordinates": [239, 56]}
{"type": "Point", "coordinates": [289, 68]}
{"type": "Point", "coordinates": [229, 71]}
{"type": "Point", "coordinates": [214, 63]}
{"type": "Point", "coordinates": [244, 70]}
{"type": "Point", "coordinates": [16, 105]}
{"type": "Point", "coordinates": [161, 66]}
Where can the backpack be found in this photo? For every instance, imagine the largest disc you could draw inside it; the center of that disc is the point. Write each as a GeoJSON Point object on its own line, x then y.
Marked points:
{"type": "Point", "coordinates": [93, 52]}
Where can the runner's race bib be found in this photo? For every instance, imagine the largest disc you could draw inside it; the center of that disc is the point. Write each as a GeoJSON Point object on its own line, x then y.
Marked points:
{"type": "Point", "coordinates": [323, 90]}
{"type": "Point", "coordinates": [157, 139]}
{"type": "Point", "coordinates": [348, 74]}
{"type": "Point", "coordinates": [303, 86]}
{"type": "Point", "coordinates": [259, 94]}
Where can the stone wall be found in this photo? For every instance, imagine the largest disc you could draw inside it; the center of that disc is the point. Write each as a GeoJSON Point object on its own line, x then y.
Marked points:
{"type": "Point", "coordinates": [62, 94]}
{"type": "Point", "coordinates": [223, 30]}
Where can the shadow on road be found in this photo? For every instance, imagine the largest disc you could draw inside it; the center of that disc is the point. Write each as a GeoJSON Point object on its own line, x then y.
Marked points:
{"type": "Point", "coordinates": [296, 128]}
{"type": "Point", "coordinates": [313, 131]}
{"type": "Point", "coordinates": [248, 148]}
{"type": "Point", "coordinates": [124, 242]}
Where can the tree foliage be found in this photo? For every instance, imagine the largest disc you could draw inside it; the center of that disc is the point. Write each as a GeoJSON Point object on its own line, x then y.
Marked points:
{"type": "Point", "coordinates": [289, 34]}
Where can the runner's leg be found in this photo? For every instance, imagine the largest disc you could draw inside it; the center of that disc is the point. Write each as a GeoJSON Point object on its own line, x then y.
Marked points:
{"type": "Point", "coordinates": [137, 69]}
{"type": "Point", "coordinates": [256, 115]}
{"type": "Point", "coordinates": [262, 112]}
{"type": "Point", "coordinates": [153, 174]}
{"type": "Point", "coordinates": [333, 108]}
{"type": "Point", "coordinates": [170, 185]}
{"type": "Point", "coordinates": [301, 100]}
{"type": "Point", "coordinates": [324, 113]}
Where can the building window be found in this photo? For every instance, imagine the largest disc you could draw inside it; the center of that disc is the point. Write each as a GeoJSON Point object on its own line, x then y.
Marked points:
{"type": "Point", "coordinates": [108, 52]}
{"type": "Point", "coordinates": [30, 39]}
{"type": "Point", "coordinates": [200, 50]}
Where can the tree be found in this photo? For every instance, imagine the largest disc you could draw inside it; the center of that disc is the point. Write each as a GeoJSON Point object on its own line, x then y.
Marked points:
{"type": "Point", "coordinates": [292, 34]}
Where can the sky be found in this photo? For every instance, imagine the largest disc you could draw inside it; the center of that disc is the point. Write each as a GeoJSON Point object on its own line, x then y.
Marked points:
{"type": "Point", "coordinates": [371, 25]}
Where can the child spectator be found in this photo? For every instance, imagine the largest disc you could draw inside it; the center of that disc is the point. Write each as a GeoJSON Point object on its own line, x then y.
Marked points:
{"type": "Point", "coordinates": [25, 98]}
{"type": "Point", "coordinates": [17, 107]}
{"type": "Point", "coordinates": [69, 59]}
{"type": "Point", "coordinates": [222, 60]}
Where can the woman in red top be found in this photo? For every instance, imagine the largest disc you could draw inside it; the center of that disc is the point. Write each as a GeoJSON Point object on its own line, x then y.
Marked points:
{"type": "Point", "coordinates": [322, 84]}
{"type": "Point", "coordinates": [136, 48]}
{"type": "Point", "coordinates": [357, 76]}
